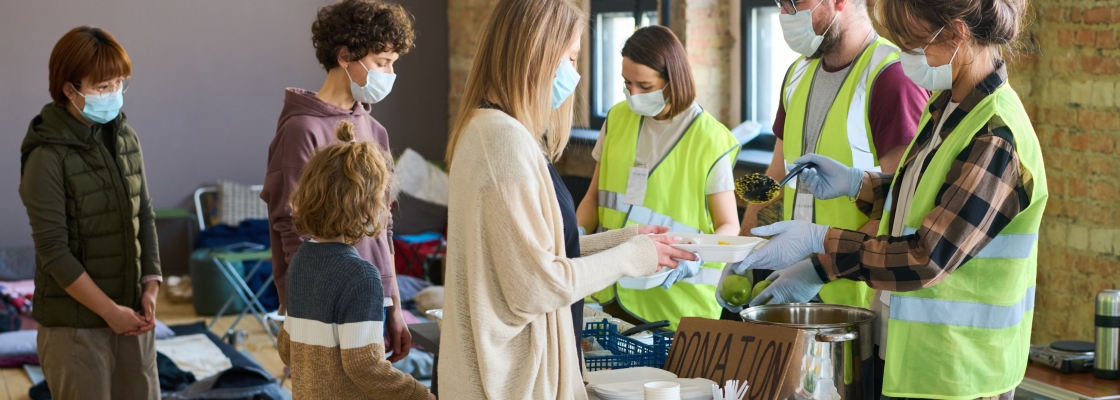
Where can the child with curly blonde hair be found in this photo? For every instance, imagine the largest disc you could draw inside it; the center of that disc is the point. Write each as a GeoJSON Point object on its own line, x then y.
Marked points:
{"type": "Point", "coordinates": [333, 337]}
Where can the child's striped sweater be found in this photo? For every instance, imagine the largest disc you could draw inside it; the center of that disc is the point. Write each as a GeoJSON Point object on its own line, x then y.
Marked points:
{"type": "Point", "coordinates": [333, 336]}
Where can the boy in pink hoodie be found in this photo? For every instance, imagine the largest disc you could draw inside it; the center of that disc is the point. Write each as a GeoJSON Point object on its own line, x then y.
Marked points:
{"type": "Point", "coordinates": [356, 42]}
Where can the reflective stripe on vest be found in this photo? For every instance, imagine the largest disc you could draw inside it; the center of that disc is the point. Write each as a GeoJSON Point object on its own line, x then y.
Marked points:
{"type": "Point", "coordinates": [641, 215]}
{"type": "Point", "coordinates": [961, 313]}
{"type": "Point", "coordinates": [1004, 245]}
{"type": "Point", "coordinates": [612, 200]}
{"type": "Point", "coordinates": [857, 127]}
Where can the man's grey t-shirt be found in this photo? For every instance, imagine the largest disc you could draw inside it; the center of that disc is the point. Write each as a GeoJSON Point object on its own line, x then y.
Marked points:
{"type": "Point", "coordinates": [826, 85]}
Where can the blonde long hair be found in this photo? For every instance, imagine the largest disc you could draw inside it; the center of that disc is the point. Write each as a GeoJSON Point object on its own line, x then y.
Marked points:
{"type": "Point", "coordinates": [514, 66]}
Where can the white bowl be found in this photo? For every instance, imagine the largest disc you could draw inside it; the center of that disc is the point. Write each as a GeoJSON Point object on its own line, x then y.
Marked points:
{"type": "Point", "coordinates": [708, 247]}
{"type": "Point", "coordinates": [645, 282]}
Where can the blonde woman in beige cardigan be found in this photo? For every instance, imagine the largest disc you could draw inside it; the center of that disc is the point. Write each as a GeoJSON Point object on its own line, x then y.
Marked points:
{"type": "Point", "coordinates": [507, 327]}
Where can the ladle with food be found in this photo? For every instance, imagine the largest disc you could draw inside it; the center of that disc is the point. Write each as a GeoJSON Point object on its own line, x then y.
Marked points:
{"type": "Point", "coordinates": [759, 188]}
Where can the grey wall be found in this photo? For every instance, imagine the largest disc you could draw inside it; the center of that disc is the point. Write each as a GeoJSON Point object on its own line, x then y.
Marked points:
{"type": "Point", "coordinates": [208, 82]}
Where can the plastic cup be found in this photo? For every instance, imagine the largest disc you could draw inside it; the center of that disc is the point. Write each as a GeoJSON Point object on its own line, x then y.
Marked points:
{"type": "Point", "coordinates": [662, 391]}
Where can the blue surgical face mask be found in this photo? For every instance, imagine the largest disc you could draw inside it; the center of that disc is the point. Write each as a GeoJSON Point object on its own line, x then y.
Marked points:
{"type": "Point", "coordinates": [378, 85]}
{"type": "Point", "coordinates": [564, 84]}
{"type": "Point", "coordinates": [101, 108]}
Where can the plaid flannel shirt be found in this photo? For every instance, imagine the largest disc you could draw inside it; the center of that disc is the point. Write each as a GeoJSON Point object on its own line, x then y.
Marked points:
{"type": "Point", "coordinates": [985, 188]}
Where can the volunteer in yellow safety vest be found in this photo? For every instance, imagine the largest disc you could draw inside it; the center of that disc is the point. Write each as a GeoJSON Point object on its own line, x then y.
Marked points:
{"type": "Point", "coordinates": [846, 98]}
{"type": "Point", "coordinates": [955, 259]}
{"type": "Point", "coordinates": [662, 160]}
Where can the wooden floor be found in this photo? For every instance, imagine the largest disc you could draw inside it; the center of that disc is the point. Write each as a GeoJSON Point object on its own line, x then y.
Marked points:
{"type": "Point", "coordinates": [14, 382]}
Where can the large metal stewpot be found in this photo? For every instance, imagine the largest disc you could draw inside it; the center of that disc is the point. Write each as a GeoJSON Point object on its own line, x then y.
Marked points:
{"type": "Point", "coordinates": [837, 362]}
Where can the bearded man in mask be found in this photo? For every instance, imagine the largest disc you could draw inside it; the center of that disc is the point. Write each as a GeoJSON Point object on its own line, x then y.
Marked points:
{"type": "Point", "coordinates": [846, 98]}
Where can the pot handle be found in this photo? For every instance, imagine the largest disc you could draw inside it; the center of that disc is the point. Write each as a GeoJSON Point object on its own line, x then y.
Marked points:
{"type": "Point", "coordinates": [836, 337]}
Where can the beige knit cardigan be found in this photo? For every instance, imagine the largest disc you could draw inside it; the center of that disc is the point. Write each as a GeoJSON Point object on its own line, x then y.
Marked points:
{"type": "Point", "coordinates": [507, 325]}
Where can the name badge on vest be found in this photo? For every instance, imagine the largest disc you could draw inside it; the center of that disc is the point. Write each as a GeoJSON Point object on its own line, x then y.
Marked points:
{"type": "Point", "coordinates": [802, 201]}
{"type": "Point", "coordinates": [636, 186]}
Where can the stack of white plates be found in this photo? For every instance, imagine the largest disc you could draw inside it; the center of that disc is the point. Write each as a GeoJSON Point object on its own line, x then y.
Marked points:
{"type": "Point", "coordinates": [691, 389]}
{"type": "Point", "coordinates": [627, 374]}
{"type": "Point", "coordinates": [606, 376]}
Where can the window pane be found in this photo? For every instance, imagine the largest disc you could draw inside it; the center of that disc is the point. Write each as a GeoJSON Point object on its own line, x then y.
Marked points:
{"type": "Point", "coordinates": [612, 30]}
{"type": "Point", "coordinates": [769, 58]}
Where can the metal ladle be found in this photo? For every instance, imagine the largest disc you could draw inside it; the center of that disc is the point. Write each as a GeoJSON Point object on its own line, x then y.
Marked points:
{"type": "Point", "coordinates": [758, 188]}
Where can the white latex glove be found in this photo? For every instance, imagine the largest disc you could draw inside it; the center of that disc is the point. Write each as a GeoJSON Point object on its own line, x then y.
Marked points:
{"type": "Point", "coordinates": [728, 270]}
{"type": "Point", "coordinates": [792, 241]}
{"type": "Point", "coordinates": [796, 284]}
{"type": "Point", "coordinates": [828, 179]}
{"type": "Point", "coordinates": [685, 269]}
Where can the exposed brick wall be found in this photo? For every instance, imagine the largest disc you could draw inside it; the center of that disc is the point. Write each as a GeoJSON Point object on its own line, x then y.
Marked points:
{"type": "Point", "coordinates": [704, 28]}
{"type": "Point", "coordinates": [465, 21]}
{"type": "Point", "coordinates": [702, 25]}
{"type": "Point", "coordinates": [1072, 89]}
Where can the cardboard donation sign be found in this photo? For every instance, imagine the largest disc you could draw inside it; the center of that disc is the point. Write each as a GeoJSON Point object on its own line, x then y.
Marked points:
{"type": "Point", "coordinates": [761, 355]}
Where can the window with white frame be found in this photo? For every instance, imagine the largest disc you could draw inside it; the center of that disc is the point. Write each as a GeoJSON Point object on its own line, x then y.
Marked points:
{"type": "Point", "coordinates": [612, 22]}
{"type": "Point", "coordinates": [766, 58]}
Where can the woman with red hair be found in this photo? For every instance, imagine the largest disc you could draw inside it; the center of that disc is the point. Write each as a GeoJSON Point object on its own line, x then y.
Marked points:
{"type": "Point", "coordinates": [83, 183]}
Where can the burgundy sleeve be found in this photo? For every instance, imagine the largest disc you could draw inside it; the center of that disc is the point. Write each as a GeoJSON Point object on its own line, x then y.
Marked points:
{"type": "Point", "coordinates": [385, 253]}
{"type": "Point", "coordinates": [292, 148]}
{"type": "Point", "coordinates": [381, 135]}
{"type": "Point", "coordinates": [896, 108]}
{"type": "Point", "coordinates": [780, 120]}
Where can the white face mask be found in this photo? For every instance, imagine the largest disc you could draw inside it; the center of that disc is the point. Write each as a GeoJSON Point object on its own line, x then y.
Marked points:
{"type": "Point", "coordinates": [797, 30]}
{"type": "Point", "coordinates": [917, 68]}
{"type": "Point", "coordinates": [378, 85]}
{"type": "Point", "coordinates": [648, 104]}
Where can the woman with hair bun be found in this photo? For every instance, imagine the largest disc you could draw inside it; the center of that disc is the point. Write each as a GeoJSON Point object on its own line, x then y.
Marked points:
{"type": "Point", "coordinates": [955, 260]}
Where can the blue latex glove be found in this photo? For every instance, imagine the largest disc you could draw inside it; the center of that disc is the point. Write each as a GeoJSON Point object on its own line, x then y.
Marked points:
{"type": "Point", "coordinates": [685, 269]}
{"type": "Point", "coordinates": [792, 241]}
{"type": "Point", "coordinates": [796, 284]}
{"type": "Point", "coordinates": [829, 179]}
